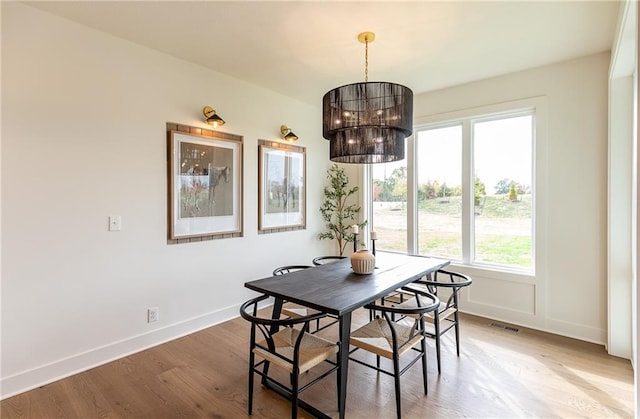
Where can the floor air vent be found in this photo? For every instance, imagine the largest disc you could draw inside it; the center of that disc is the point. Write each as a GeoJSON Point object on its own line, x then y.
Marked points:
{"type": "Point", "coordinates": [503, 327]}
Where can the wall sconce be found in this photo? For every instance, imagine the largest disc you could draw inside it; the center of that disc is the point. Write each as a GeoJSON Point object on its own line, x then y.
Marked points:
{"type": "Point", "coordinates": [212, 117]}
{"type": "Point", "coordinates": [288, 134]}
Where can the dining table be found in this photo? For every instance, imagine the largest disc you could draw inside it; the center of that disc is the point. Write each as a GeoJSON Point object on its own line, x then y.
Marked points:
{"type": "Point", "coordinates": [334, 288]}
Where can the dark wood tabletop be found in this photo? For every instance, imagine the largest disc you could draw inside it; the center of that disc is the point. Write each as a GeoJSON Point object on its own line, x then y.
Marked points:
{"type": "Point", "coordinates": [334, 288]}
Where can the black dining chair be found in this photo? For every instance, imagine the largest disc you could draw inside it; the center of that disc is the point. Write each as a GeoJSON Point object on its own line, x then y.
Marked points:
{"type": "Point", "coordinates": [287, 344]}
{"type": "Point", "coordinates": [385, 337]}
{"type": "Point", "coordinates": [321, 260]}
{"type": "Point", "coordinates": [296, 310]}
{"type": "Point", "coordinates": [289, 268]}
{"type": "Point", "coordinates": [447, 316]}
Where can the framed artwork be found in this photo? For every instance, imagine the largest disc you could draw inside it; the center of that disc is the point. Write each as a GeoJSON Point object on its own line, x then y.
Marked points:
{"type": "Point", "coordinates": [282, 187]}
{"type": "Point", "coordinates": [205, 185]}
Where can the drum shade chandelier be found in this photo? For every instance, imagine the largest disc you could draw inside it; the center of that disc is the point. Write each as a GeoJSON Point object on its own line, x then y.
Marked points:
{"type": "Point", "coordinates": [367, 122]}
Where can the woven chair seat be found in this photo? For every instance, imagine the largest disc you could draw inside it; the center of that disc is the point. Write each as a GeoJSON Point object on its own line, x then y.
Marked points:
{"type": "Point", "coordinates": [397, 297]}
{"type": "Point", "coordinates": [444, 312]}
{"type": "Point", "coordinates": [313, 349]}
{"type": "Point", "coordinates": [296, 310]}
{"type": "Point", "coordinates": [375, 337]}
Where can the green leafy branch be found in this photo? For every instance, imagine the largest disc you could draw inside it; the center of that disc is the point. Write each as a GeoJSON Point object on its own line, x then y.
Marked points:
{"type": "Point", "coordinates": [337, 213]}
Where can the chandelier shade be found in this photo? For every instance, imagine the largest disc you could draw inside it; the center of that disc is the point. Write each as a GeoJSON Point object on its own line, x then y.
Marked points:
{"type": "Point", "coordinates": [367, 122]}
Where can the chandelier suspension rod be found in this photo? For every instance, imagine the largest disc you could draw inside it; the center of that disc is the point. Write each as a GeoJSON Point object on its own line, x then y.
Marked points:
{"type": "Point", "coordinates": [366, 60]}
{"type": "Point", "coordinates": [365, 38]}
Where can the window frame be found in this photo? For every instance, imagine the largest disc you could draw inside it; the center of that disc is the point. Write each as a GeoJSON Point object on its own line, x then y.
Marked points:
{"type": "Point", "coordinates": [471, 255]}
{"type": "Point", "coordinates": [537, 106]}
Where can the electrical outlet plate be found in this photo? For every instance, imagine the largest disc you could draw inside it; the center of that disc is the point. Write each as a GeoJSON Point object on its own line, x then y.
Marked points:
{"type": "Point", "coordinates": [153, 314]}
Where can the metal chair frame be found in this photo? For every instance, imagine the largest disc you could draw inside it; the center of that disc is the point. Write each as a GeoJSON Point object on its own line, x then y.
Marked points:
{"type": "Point", "coordinates": [427, 303]}
{"type": "Point", "coordinates": [281, 270]}
{"type": "Point", "coordinates": [321, 260]}
{"type": "Point", "coordinates": [268, 327]}
{"type": "Point", "coordinates": [454, 283]}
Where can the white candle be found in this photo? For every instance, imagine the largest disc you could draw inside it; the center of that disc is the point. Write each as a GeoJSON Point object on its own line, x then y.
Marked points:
{"type": "Point", "coordinates": [374, 235]}
{"type": "Point", "coordinates": [355, 229]}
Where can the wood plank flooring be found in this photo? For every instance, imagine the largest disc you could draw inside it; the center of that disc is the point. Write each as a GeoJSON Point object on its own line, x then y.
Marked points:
{"type": "Point", "coordinates": [499, 374]}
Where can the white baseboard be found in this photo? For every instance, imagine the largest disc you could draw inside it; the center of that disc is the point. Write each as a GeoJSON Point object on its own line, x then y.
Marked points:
{"type": "Point", "coordinates": [577, 331]}
{"type": "Point", "coordinates": [45, 374]}
{"type": "Point", "coordinates": [62, 368]}
{"type": "Point", "coordinates": [557, 327]}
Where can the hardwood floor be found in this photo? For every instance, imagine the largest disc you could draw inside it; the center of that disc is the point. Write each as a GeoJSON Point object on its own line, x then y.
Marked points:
{"type": "Point", "coordinates": [499, 374]}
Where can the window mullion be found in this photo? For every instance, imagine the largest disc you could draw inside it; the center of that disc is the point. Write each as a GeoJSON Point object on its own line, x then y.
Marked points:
{"type": "Point", "coordinates": [468, 185]}
{"type": "Point", "coordinates": [367, 196]}
{"type": "Point", "coordinates": [412, 198]}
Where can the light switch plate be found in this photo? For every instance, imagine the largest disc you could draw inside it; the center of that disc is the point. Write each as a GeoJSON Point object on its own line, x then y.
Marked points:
{"type": "Point", "coordinates": [115, 223]}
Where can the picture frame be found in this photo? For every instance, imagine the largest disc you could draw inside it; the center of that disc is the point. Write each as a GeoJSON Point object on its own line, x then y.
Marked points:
{"type": "Point", "coordinates": [205, 185]}
{"type": "Point", "coordinates": [282, 187]}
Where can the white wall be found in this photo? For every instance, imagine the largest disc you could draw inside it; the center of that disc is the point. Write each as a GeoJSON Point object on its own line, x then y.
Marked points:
{"type": "Point", "coordinates": [568, 293]}
{"type": "Point", "coordinates": [83, 137]}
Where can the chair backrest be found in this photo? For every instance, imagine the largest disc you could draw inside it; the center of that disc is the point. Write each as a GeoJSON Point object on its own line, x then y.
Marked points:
{"type": "Point", "coordinates": [443, 278]}
{"type": "Point", "coordinates": [289, 268]}
{"type": "Point", "coordinates": [269, 326]}
{"type": "Point", "coordinates": [447, 279]}
{"type": "Point", "coordinates": [249, 312]}
{"type": "Point", "coordinates": [321, 260]}
{"type": "Point", "coordinates": [426, 303]}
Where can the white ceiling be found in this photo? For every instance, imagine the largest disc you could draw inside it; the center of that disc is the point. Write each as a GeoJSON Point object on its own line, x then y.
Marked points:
{"type": "Point", "coordinates": [303, 49]}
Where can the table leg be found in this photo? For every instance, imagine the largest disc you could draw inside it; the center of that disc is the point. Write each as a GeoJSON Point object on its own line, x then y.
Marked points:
{"type": "Point", "coordinates": [277, 308]}
{"type": "Point", "coordinates": [345, 331]}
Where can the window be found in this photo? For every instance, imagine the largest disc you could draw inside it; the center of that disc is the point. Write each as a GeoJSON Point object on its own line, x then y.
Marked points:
{"type": "Point", "coordinates": [472, 192]}
{"type": "Point", "coordinates": [502, 163]}
{"type": "Point", "coordinates": [389, 209]}
{"type": "Point", "coordinates": [439, 194]}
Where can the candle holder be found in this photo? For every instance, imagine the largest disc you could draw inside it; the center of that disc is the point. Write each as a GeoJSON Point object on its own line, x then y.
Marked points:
{"type": "Point", "coordinates": [373, 236]}
{"type": "Point", "coordinates": [355, 242]}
